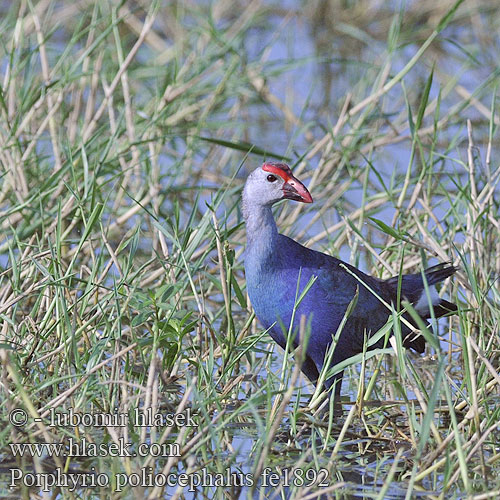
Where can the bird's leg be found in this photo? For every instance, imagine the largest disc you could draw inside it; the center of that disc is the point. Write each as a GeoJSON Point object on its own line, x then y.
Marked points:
{"type": "Point", "coordinates": [310, 370]}
{"type": "Point", "coordinates": [336, 382]}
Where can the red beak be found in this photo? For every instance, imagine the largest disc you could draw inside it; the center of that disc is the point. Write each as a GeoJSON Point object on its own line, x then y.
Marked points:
{"type": "Point", "coordinates": [293, 189]}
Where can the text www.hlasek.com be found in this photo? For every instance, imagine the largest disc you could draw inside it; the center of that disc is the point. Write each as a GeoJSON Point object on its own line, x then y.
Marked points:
{"type": "Point", "coordinates": [83, 448]}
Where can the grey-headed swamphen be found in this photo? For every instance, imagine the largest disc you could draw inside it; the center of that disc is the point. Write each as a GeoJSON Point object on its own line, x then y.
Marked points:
{"type": "Point", "coordinates": [274, 263]}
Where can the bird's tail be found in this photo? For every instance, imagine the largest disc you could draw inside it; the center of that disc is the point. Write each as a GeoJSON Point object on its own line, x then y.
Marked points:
{"type": "Point", "coordinates": [440, 306]}
{"type": "Point", "coordinates": [438, 273]}
{"type": "Point", "coordinates": [413, 290]}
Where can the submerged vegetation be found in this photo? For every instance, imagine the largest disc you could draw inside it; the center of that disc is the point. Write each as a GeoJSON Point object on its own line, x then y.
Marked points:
{"type": "Point", "coordinates": [126, 131]}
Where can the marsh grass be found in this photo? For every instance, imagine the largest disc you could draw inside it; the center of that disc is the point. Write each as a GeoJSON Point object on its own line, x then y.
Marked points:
{"type": "Point", "coordinates": [125, 134]}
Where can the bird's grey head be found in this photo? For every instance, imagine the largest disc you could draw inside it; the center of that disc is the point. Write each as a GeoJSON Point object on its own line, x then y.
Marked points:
{"type": "Point", "coordinates": [272, 182]}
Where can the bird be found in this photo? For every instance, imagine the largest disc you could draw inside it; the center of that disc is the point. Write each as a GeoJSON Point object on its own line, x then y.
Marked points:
{"type": "Point", "coordinates": [278, 269]}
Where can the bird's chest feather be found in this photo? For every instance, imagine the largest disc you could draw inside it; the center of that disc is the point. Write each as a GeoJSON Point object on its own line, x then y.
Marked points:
{"type": "Point", "coordinates": [275, 286]}
{"type": "Point", "coordinates": [267, 288]}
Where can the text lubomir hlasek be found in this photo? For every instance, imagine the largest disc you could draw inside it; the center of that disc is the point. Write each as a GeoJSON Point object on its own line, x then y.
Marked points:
{"type": "Point", "coordinates": [137, 417]}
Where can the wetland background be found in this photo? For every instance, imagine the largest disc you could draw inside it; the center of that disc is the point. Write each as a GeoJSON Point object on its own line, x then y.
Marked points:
{"type": "Point", "coordinates": [126, 132]}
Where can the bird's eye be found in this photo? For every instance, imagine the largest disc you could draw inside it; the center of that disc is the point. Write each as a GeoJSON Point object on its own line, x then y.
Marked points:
{"type": "Point", "coordinates": [271, 178]}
